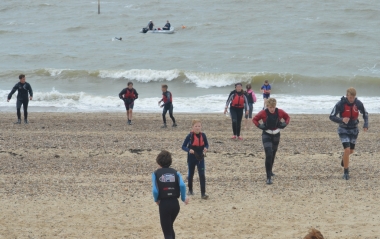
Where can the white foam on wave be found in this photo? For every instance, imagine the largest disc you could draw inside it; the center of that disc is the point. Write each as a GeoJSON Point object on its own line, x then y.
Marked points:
{"type": "Point", "coordinates": [141, 75]}
{"type": "Point", "coordinates": [207, 80]}
{"type": "Point", "coordinates": [55, 72]}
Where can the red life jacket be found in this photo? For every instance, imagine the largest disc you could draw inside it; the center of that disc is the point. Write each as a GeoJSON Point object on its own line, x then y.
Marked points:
{"type": "Point", "coordinates": [129, 94]}
{"type": "Point", "coordinates": [238, 101]}
{"type": "Point", "coordinates": [165, 99]}
{"type": "Point", "coordinates": [350, 111]}
{"type": "Point", "coordinates": [195, 141]}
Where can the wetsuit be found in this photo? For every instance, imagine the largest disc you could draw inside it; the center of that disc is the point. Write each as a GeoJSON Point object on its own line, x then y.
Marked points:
{"type": "Point", "coordinates": [348, 133]}
{"type": "Point", "coordinates": [128, 96]}
{"type": "Point", "coordinates": [196, 142]}
{"type": "Point", "coordinates": [150, 25]}
{"type": "Point", "coordinates": [24, 90]}
{"type": "Point", "coordinates": [251, 97]}
{"type": "Point", "coordinates": [168, 106]}
{"type": "Point", "coordinates": [167, 186]}
{"type": "Point", "coordinates": [166, 27]}
{"type": "Point", "coordinates": [238, 102]}
{"type": "Point", "coordinates": [266, 87]}
{"type": "Point", "coordinates": [271, 134]}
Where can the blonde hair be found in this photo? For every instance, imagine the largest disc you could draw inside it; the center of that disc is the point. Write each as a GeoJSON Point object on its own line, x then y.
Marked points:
{"type": "Point", "coordinates": [271, 102]}
{"type": "Point", "coordinates": [351, 91]}
{"type": "Point", "coordinates": [194, 121]}
{"type": "Point", "coordinates": [314, 234]}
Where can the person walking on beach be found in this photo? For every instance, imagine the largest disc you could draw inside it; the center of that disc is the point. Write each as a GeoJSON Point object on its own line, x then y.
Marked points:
{"type": "Point", "coordinates": [167, 187]}
{"type": "Point", "coordinates": [346, 114]}
{"type": "Point", "coordinates": [167, 105]}
{"type": "Point", "coordinates": [129, 95]}
{"type": "Point", "coordinates": [265, 89]}
{"type": "Point", "coordinates": [24, 94]}
{"type": "Point", "coordinates": [251, 97]}
{"type": "Point", "coordinates": [196, 145]}
{"type": "Point", "coordinates": [271, 125]}
{"type": "Point", "coordinates": [238, 102]}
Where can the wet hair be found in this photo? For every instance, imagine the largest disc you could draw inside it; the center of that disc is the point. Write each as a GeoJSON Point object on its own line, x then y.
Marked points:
{"type": "Point", "coordinates": [314, 234]}
{"type": "Point", "coordinates": [130, 83]}
{"type": "Point", "coordinates": [266, 81]}
{"type": "Point", "coordinates": [272, 102]}
{"type": "Point", "coordinates": [164, 86]}
{"type": "Point", "coordinates": [194, 121]}
{"type": "Point", "coordinates": [164, 159]}
{"type": "Point", "coordinates": [21, 76]}
{"type": "Point", "coordinates": [351, 91]}
{"type": "Point", "coordinates": [248, 86]}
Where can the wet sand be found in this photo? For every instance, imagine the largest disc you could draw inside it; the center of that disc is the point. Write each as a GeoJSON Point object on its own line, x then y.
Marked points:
{"type": "Point", "coordinates": [74, 175]}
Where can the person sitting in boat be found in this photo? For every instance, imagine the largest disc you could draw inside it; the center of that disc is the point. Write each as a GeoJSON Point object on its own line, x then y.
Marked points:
{"type": "Point", "coordinates": [167, 26]}
{"type": "Point", "coordinates": [150, 25]}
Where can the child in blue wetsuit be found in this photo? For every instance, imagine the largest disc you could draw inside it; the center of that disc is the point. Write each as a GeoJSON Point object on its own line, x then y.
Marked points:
{"type": "Point", "coordinates": [265, 89]}
{"type": "Point", "coordinates": [167, 187]}
{"type": "Point", "coordinates": [196, 146]}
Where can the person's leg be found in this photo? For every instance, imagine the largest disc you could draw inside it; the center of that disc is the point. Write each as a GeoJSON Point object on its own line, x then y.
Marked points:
{"type": "Point", "coordinates": [168, 212]}
{"type": "Point", "coordinates": [202, 176]}
{"type": "Point", "coordinates": [164, 115]}
{"type": "Point", "coordinates": [239, 119]}
{"type": "Point", "coordinates": [174, 214]}
{"type": "Point", "coordinates": [171, 114]}
{"type": "Point", "coordinates": [275, 143]}
{"type": "Point", "coordinates": [191, 169]}
{"type": "Point", "coordinates": [130, 114]}
{"type": "Point", "coordinates": [233, 114]}
{"type": "Point", "coordinates": [25, 104]}
{"type": "Point", "coordinates": [18, 107]}
{"type": "Point", "coordinates": [126, 108]}
{"type": "Point", "coordinates": [265, 101]}
{"type": "Point", "coordinates": [267, 143]}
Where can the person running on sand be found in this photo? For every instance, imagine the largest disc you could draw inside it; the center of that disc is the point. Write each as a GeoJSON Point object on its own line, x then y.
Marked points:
{"type": "Point", "coordinates": [167, 98]}
{"type": "Point", "coordinates": [348, 109]}
{"type": "Point", "coordinates": [196, 145]}
{"type": "Point", "coordinates": [129, 95]}
{"type": "Point", "coordinates": [251, 97]}
{"type": "Point", "coordinates": [271, 126]}
{"type": "Point", "coordinates": [23, 91]}
{"type": "Point", "coordinates": [238, 102]}
{"type": "Point", "coordinates": [167, 186]}
{"type": "Point", "coordinates": [265, 89]}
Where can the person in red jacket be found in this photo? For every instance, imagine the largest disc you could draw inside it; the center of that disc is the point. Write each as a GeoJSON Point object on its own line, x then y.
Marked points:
{"type": "Point", "coordinates": [271, 126]}
{"type": "Point", "coordinates": [129, 95]}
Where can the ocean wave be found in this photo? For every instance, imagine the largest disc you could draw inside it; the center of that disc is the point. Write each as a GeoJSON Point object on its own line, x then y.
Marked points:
{"type": "Point", "coordinates": [141, 75]}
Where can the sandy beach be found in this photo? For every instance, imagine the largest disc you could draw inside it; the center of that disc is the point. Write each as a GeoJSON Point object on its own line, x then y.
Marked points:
{"type": "Point", "coordinates": [76, 175]}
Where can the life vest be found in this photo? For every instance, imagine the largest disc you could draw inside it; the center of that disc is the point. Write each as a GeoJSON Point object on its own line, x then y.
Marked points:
{"type": "Point", "coordinates": [129, 94]}
{"type": "Point", "coordinates": [238, 101]}
{"type": "Point", "coordinates": [272, 119]}
{"type": "Point", "coordinates": [350, 111]}
{"type": "Point", "coordinates": [167, 183]}
{"type": "Point", "coordinates": [195, 141]}
{"type": "Point", "coordinates": [165, 98]}
{"type": "Point", "coordinates": [249, 97]}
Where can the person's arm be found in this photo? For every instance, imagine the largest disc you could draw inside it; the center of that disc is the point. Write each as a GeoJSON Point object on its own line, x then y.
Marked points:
{"type": "Point", "coordinates": [364, 112]}
{"type": "Point", "coordinates": [30, 91]}
{"type": "Point", "coordinates": [154, 188]}
{"type": "Point", "coordinates": [333, 116]}
{"type": "Point", "coordinates": [12, 91]}
{"type": "Point", "coordinates": [282, 114]}
{"type": "Point", "coordinates": [246, 107]}
{"type": "Point", "coordinates": [186, 143]}
{"type": "Point", "coordinates": [258, 117]}
{"type": "Point", "coordinates": [182, 187]}
{"type": "Point", "coordinates": [122, 93]}
{"type": "Point", "coordinates": [136, 94]}
{"type": "Point", "coordinates": [205, 140]}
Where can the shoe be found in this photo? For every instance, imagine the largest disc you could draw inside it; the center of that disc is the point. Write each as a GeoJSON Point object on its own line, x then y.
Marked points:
{"type": "Point", "coordinates": [26, 121]}
{"type": "Point", "coordinates": [164, 126]}
{"type": "Point", "coordinates": [233, 137]}
{"type": "Point", "coordinates": [272, 174]}
{"type": "Point", "coordinates": [190, 193]}
{"type": "Point", "coordinates": [174, 125]}
{"type": "Point", "coordinates": [240, 138]}
{"type": "Point", "coordinates": [342, 163]}
{"type": "Point", "coordinates": [204, 196]}
{"type": "Point", "coordinates": [18, 121]}
{"type": "Point", "coordinates": [129, 122]}
{"type": "Point", "coordinates": [346, 176]}
{"type": "Point", "coordinates": [269, 181]}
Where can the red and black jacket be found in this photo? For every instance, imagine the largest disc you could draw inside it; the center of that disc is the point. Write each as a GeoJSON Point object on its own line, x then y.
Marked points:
{"type": "Point", "coordinates": [128, 94]}
{"type": "Point", "coordinates": [346, 109]}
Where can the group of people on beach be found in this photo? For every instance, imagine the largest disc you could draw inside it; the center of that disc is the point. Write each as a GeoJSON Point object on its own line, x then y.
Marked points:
{"type": "Point", "coordinates": [168, 184]}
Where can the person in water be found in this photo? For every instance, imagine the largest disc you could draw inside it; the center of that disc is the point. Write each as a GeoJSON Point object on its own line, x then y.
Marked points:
{"type": "Point", "coordinates": [251, 97]}
{"type": "Point", "coordinates": [196, 145]}
{"type": "Point", "coordinates": [346, 114]}
{"type": "Point", "coordinates": [129, 95]}
{"type": "Point", "coordinates": [167, 105]}
{"type": "Point", "coordinates": [167, 26]}
{"type": "Point", "coordinates": [266, 89]}
{"type": "Point", "coordinates": [150, 25]}
{"type": "Point", "coordinates": [271, 125]}
{"type": "Point", "coordinates": [24, 94]}
{"type": "Point", "coordinates": [167, 187]}
{"type": "Point", "coordinates": [238, 102]}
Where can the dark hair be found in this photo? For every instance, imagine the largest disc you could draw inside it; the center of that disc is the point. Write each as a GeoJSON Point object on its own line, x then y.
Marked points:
{"type": "Point", "coordinates": [266, 81]}
{"type": "Point", "coordinates": [130, 83]}
{"type": "Point", "coordinates": [164, 86]}
{"type": "Point", "coordinates": [21, 76]}
{"type": "Point", "coordinates": [164, 159]}
{"type": "Point", "coordinates": [248, 86]}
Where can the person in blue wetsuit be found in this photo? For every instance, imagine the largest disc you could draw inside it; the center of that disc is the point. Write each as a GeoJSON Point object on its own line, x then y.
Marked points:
{"type": "Point", "coordinates": [167, 187]}
{"type": "Point", "coordinates": [265, 89]}
{"type": "Point", "coordinates": [167, 99]}
{"type": "Point", "coordinates": [167, 26]}
{"type": "Point", "coordinates": [196, 145]}
{"type": "Point", "coordinates": [25, 93]}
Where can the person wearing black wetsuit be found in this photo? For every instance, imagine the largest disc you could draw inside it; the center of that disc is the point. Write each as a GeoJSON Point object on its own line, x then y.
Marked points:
{"type": "Point", "coordinates": [237, 102]}
{"type": "Point", "coordinates": [348, 109]}
{"type": "Point", "coordinates": [129, 95]}
{"type": "Point", "coordinates": [167, 187]}
{"type": "Point", "coordinates": [167, 26]}
{"type": "Point", "coordinates": [167, 105]}
{"type": "Point", "coordinates": [23, 91]}
{"type": "Point", "coordinates": [150, 25]}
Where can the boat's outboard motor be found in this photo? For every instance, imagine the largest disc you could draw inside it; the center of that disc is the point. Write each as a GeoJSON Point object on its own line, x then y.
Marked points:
{"type": "Point", "coordinates": [145, 30]}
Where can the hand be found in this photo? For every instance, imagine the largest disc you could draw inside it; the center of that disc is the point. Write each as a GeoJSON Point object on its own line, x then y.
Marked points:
{"type": "Point", "coordinates": [282, 125]}
{"type": "Point", "coordinates": [191, 151]}
{"type": "Point", "coordinates": [31, 98]}
{"type": "Point", "coordinates": [162, 106]}
{"type": "Point", "coordinates": [225, 110]}
{"type": "Point", "coordinates": [345, 120]}
{"type": "Point", "coordinates": [365, 129]}
{"type": "Point", "coordinates": [186, 201]}
{"type": "Point", "coordinates": [204, 150]}
{"type": "Point", "coordinates": [262, 127]}
{"type": "Point", "coordinates": [7, 100]}
{"type": "Point", "coordinates": [246, 113]}
{"type": "Point", "coordinates": [158, 202]}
